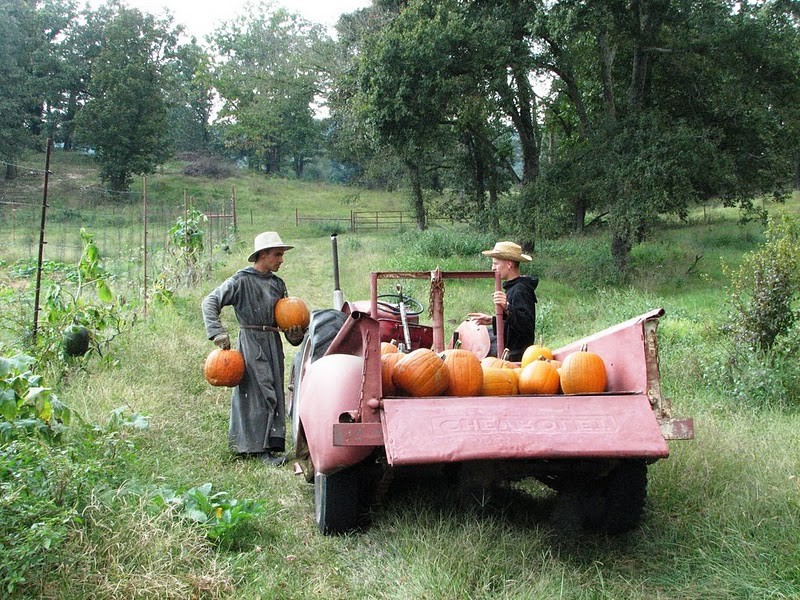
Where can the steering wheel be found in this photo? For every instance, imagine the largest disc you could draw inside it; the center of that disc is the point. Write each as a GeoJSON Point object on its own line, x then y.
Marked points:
{"type": "Point", "coordinates": [391, 302]}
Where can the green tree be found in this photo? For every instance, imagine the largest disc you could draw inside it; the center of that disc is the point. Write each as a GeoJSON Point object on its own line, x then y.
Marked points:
{"type": "Point", "coordinates": [190, 97]}
{"type": "Point", "coordinates": [268, 79]}
{"type": "Point", "coordinates": [125, 117]}
{"type": "Point", "coordinates": [16, 94]}
{"type": "Point", "coordinates": [657, 104]}
{"type": "Point", "coordinates": [30, 34]}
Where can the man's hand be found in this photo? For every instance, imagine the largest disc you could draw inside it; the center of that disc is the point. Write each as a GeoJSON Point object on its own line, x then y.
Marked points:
{"type": "Point", "coordinates": [223, 340]}
{"type": "Point", "coordinates": [294, 335]}
{"type": "Point", "coordinates": [480, 318]}
{"type": "Point", "coordinates": [500, 299]}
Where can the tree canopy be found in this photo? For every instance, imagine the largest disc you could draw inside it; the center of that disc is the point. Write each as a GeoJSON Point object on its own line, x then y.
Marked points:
{"type": "Point", "coordinates": [529, 117]}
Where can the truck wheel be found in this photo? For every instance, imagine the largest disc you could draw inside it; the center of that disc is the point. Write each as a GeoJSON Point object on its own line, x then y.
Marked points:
{"type": "Point", "coordinates": [622, 495]}
{"type": "Point", "coordinates": [612, 504]}
{"type": "Point", "coordinates": [337, 501]}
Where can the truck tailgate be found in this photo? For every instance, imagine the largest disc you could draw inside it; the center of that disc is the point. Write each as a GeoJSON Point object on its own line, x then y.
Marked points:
{"type": "Point", "coordinates": [451, 429]}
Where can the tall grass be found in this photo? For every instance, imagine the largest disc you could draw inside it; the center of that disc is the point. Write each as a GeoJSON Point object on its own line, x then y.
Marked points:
{"type": "Point", "coordinates": [723, 514]}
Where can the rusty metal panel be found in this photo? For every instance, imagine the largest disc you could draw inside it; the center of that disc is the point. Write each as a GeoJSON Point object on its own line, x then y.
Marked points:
{"type": "Point", "coordinates": [357, 434]}
{"type": "Point", "coordinates": [677, 429]}
{"type": "Point", "coordinates": [433, 430]}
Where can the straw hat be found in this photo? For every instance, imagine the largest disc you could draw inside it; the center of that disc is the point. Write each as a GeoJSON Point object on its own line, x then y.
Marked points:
{"type": "Point", "coordinates": [507, 251]}
{"type": "Point", "coordinates": [265, 241]}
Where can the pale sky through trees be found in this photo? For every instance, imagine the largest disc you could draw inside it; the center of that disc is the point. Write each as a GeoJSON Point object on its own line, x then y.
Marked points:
{"type": "Point", "coordinates": [201, 18]}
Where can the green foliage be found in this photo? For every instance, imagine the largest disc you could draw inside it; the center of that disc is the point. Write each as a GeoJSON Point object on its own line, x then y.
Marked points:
{"type": "Point", "coordinates": [48, 462]}
{"type": "Point", "coordinates": [764, 289]}
{"type": "Point", "coordinates": [26, 406]}
{"type": "Point", "coordinates": [761, 366]}
{"type": "Point", "coordinates": [220, 515]}
{"type": "Point", "coordinates": [267, 77]}
{"type": "Point", "coordinates": [186, 249]}
{"type": "Point", "coordinates": [125, 117]}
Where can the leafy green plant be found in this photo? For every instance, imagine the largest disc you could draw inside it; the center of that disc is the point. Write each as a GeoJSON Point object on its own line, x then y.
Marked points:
{"type": "Point", "coordinates": [764, 288]}
{"type": "Point", "coordinates": [186, 245]}
{"type": "Point", "coordinates": [26, 406]}
{"type": "Point", "coordinates": [219, 514]}
{"type": "Point", "coordinates": [760, 366]}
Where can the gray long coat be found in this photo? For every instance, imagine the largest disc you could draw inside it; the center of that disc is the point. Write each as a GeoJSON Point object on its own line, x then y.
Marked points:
{"type": "Point", "coordinates": [257, 408]}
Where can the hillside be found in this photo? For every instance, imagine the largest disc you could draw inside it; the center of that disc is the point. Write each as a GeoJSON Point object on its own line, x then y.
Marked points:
{"type": "Point", "coordinates": [723, 515]}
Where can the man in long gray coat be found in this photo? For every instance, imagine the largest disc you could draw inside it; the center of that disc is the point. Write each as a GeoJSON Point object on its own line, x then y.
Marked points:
{"type": "Point", "coordinates": [257, 423]}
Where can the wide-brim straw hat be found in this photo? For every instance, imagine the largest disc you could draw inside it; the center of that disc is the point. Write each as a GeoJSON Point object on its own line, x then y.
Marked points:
{"type": "Point", "coordinates": [507, 251]}
{"type": "Point", "coordinates": [265, 241]}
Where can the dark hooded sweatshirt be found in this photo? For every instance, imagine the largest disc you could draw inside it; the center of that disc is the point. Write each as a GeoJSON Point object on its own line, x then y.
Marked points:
{"type": "Point", "coordinates": [520, 317]}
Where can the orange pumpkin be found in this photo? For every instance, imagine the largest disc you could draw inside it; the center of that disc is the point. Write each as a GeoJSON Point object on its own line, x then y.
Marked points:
{"type": "Point", "coordinates": [224, 367]}
{"type": "Point", "coordinates": [498, 382]}
{"type": "Point", "coordinates": [538, 377]}
{"type": "Point", "coordinates": [421, 373]}
{"type": "Point", "coordinates": [291, 312]}
{"type": "Point", "coordinates": [388, 363]}
{"type": "Point", "coordinates": [535, 352]}
{"type": "Point", "coordinates": [389, 348]}
{"type": "Point", "coordinates": [583, 372]}
{"type": "Point", "coordinates": [497, 363]}
{"type": "Point", "coordinates": [465, 372]}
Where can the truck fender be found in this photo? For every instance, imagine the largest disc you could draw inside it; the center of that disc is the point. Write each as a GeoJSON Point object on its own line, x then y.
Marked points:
{"type": "Point", "coordinates": [331, 386]}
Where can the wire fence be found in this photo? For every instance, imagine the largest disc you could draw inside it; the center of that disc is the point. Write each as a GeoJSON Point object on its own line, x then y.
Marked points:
{"type": "Point", "coordinates": [137, 232]}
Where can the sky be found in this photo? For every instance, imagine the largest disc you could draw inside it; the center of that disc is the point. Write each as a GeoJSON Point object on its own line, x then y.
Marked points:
{"type": "Point", "coordinates": [201, 18]}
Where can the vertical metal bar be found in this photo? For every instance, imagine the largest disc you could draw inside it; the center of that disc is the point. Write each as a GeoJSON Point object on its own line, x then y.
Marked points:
{"type": "Point", "coordinates": [373, 295]}
{"type": "Point", "coordinates": [338, 297]}
{"type": "Point", "coordinates": [233, 206]}
{"type": "Point", "coordinates": [437, 309]}
{"type": "Point", "coordinates": [144, 256]}
{"type": "Point", "coordinates": [501, 342]}
{"type": "Point", "coordinates": [41, 240]}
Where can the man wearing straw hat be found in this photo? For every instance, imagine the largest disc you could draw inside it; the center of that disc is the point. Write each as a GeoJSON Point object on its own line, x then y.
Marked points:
{"type": "Point", "coordinates": [257, 421]}
{"type": "Point", "coordinates": [517, 300]}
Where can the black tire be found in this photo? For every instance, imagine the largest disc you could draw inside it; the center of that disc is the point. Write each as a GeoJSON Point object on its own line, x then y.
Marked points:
{"type": "Point", "coordinates": [337, 501]}
{"type": "Point", "coordinates": [612, 504]}
{"type": "Point", "coordinates": [622, 496]}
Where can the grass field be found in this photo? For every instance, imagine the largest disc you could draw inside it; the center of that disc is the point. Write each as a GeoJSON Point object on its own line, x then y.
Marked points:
{"type": "Point", "coordinates": [723, 513]}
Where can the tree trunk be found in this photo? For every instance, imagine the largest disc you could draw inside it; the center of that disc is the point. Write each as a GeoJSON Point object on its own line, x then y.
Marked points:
{"type": "Point", "coordinates": [519, 107]}
{"type": "Point", "coordinates": [11, 171]}
{"type": "Point", "coordinates": [416, 194]}
{"type": "Point", "coordinates": [620, 251]}
{"type": "Point", "coordinates": [299, 164]}
{"type": "Point", "coordinates": [606, 63]}
{"type": "Point", "coordinates": [579, 214]}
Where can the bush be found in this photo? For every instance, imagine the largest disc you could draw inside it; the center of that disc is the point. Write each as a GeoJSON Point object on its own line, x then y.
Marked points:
{"type": "Point", "coordinates": [764, 288]}
{"type": "Point", "coordinates": [762, 360]}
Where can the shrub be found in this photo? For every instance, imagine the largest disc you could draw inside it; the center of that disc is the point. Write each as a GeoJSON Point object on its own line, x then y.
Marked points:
{"type": "Point", "coordinates": [764, 288]}
{"type": "Point", "coordinates": [762, 359]}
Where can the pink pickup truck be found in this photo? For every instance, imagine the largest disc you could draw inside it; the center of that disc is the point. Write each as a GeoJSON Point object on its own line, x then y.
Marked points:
{"type": "Point", "coordinates": [349, 437]}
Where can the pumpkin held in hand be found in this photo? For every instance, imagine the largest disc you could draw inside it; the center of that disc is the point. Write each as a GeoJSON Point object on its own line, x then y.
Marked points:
{"type": "Point", "coordinates": [224, 367]}
{"type": "Point", "coordinates": [291, 312]}
{"type": "Point", "coordinates": [583, 372]}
